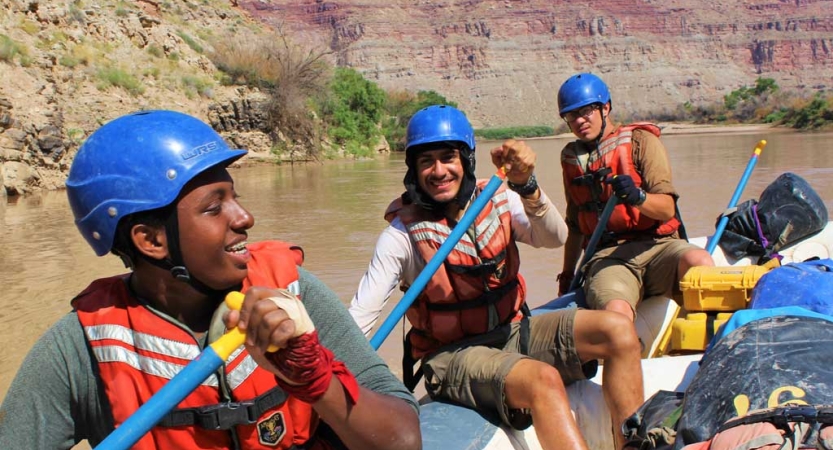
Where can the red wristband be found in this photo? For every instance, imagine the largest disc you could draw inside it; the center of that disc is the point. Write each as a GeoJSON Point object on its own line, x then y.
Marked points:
{"type": "Point", "coordinates": [306, 361]}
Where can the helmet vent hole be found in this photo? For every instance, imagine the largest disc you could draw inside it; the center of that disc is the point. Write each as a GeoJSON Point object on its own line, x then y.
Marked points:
{"type": "Point", "coordinates": [96, 236]}
{"type": "Point", "coordinates": [112, 211]}
{"type": "Point", "coordinates": [171, 174]}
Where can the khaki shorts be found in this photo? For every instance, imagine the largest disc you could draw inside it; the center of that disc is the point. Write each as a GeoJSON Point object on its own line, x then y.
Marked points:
{"type": "Point", "coordinates": [634, 270]}
{"type": "Point", "coordinates": [473, 372]}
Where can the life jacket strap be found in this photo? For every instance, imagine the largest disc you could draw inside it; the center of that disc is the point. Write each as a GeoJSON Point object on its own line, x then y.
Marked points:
{"type": "Point", "coordinates": [224, 416]}
{"type": "Point", "coordinates": [410, 375]}
{"type": "Point", "coordinates": [487, 298]}
{"type": "Point", "coordinates": [485, 269]}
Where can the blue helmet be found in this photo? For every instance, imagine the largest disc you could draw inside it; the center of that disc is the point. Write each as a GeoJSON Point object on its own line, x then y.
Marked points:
{"type": "Point", "coordinates": [138, 162]}
{"type": "Point", "coordinates": [580, 90]}
{"type": "Point", "coordinates": [439, 123]}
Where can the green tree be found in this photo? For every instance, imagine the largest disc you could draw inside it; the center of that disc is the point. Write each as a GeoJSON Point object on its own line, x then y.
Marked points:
{"type": "Point", "coordinates": [762, 86]}
{"type": "Point", "coordinates": [400, 107]}
{"type": "Point", "coordinates": [353, 110]}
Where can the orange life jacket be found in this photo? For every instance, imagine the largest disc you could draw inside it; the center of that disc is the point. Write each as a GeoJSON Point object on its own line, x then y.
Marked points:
{"type": "Point", "coordinates": [590, 194]}
{"type": "Point", "coordinates": [480, 274]}
{"type": "Point", "coordinates": [138, 352]}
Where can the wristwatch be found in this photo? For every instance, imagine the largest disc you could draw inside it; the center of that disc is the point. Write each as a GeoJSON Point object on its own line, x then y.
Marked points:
{"type": "Point", "coordinates": [526, 189]}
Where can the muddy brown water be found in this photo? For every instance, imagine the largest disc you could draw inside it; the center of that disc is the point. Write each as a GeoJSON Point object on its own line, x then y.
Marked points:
{"type": "Point", "coordinates": [334, 211]}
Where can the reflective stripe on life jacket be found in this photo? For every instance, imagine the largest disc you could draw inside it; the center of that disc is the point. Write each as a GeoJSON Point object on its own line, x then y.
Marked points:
{"type": "Point", "coordinates": [590, 194]}
{"type": "Point", "coordinates": [138, 351]}
{"type": "Point", "coordinates": [477, 288]}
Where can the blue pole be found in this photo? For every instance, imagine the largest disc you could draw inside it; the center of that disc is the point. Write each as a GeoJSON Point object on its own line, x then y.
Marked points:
{"type": "Point", "coordinates": [422, 279]}
{"type": "Point", "coordinates": [724, 220]}
{"type": "Point", "coordinates": [594, 241]}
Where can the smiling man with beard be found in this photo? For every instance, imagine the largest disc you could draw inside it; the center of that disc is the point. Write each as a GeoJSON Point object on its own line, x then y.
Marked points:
{"type": "Point", "coordinates": [471, 328]}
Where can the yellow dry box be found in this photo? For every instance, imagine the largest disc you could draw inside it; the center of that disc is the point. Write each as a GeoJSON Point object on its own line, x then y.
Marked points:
{"type": "Point", "coordinates": [694, 332]}
{"type": "Point", "coordinates": [719, 288]}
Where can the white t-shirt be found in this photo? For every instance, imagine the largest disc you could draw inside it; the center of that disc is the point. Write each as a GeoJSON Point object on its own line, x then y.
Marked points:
{"type": "Point", "coordinates": [396, 260]}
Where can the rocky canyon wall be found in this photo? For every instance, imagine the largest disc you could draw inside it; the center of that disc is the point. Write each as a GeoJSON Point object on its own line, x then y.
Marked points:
{"type": "Point", "coordinates": [503, 60]}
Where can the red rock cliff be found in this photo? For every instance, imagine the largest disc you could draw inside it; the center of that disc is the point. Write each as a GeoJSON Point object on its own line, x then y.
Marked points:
{"type": "Point", "coordinates": [503, 61]}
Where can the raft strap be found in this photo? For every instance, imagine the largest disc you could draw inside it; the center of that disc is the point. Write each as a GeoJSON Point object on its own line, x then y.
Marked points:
{"type": "Point", "coordinates": [782, 416]}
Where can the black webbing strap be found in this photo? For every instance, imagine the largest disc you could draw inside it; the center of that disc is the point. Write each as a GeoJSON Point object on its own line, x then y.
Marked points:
{"type": "Point", "coordinates": [782, 416]}
{"type": "Point", "coordinates": [485, 269]}
{"type": "Point", "coordinates": [487, 298]}
{"type": "Point", "coordinates": [223, 416]}
{"type": "Point", "coordinates": [524, 332]}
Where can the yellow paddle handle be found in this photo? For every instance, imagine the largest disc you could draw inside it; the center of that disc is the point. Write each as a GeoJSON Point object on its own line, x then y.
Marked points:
{"type": "Point", "coordinates": [233, 338]}
{"type": "Point", "coordinates": [760, 147]}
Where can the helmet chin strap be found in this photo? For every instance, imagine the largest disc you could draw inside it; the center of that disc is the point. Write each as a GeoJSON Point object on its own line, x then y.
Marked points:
{"type": "Point", "coordinates": [602, 130]}
{"type": "Point", "coordinates": [175, 263]}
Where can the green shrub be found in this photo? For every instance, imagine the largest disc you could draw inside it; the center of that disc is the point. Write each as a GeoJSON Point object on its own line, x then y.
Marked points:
{"type": "Point", "coordinates": [190, 41]}
{"type": "Point", "coordinates": [815, 115]}
{"type": "Point", "coordinates": [111, 76]}
{"type": "Point", "coordinates": [76, 15]}
{"type": "Point", "coordinates": [155, 51]}
{"type": "Point", "coordinates": [68, 61]}
{"type": "Point", "coordinates": [400, 106]}
{"type": "Point", "coordinates": [29, 27]}
{"type": "Point", "coordinates": [75, 135]}
{"type": "Point", "coordinates": [515, 132]}
{"type": "Point", "coordinates": [194, 85]}
{"type": "Point", "coordinates": [762, 86]}
{"type": "Point", "coordinates": [8, 48]}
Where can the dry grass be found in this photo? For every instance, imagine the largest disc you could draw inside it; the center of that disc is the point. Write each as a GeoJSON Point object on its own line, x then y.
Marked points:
{"type": "Point", "coordinates": [289, 73]}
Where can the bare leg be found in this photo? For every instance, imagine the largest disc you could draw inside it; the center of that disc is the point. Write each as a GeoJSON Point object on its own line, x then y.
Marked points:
{"type": "Point", "coordinates": [538, 386]}
{"type": "Point", "coordinates": [621, 307]}
{"type": "Point", "coordinates": [692, 258]}
{"type": "Point", "coordinates": [611, 337]}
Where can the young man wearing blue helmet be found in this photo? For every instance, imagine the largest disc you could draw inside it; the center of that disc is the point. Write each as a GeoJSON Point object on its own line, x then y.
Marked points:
{"type": "Point", "coordinates": [152, 187]}
{"type": "Point", "coordinates": [641, 254]}
{"type": "Point", "coordinates": [470, 327]}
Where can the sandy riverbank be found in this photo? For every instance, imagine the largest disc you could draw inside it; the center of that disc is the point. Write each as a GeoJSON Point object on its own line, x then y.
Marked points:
{"type": "Point", "coordinates": [690, 128]}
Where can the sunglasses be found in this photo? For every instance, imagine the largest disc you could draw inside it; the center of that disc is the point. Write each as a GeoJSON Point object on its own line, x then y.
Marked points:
{"type": "Point", "coordinates": [584, 112]}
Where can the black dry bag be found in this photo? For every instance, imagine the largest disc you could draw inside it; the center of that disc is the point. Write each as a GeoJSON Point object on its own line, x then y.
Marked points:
{"type": "Point", "coordinates": [788, 211]}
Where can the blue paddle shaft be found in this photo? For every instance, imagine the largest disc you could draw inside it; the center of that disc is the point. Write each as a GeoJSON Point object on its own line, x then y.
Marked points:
{"type": "Point", "coordinates": [724, 220]}
{"type": "Point", "coordinates": [594, 240]}
{"type": "Point", "coordinates": [164, 400]}
{"type": "Point", "coordinates": [422, 279]}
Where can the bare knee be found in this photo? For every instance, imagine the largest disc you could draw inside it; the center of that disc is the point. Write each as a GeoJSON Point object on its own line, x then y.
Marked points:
{"type": "Point", "coordinates": [530, 381]}
{"type": "Point", "coordinates": [622, 307]}
{"type": "Point", "coordinates": [619, 335]}
{"type": "Point", "coordinates": [544, 378]}
{"type": "Point", "coordinates": [694, 258]}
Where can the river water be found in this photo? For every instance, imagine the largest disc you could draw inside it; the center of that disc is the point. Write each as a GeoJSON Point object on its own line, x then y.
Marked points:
{"type": "Point", "coordinates": [334, 211]}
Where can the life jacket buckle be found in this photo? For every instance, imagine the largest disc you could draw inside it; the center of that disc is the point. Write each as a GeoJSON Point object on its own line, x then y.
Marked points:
{"type": "Point", "coordinates": [592, 177]}
{"type": "Point", "coordinates": [224, 416]}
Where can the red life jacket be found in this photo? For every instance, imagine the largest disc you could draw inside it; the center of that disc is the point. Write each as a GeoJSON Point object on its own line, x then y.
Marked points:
{"type": "Point", "coordinates": [615, 152]}
{"type": "Point", "coordinates": [138, 352]}
{"type": "Point", "coordinates": [479, 274]}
